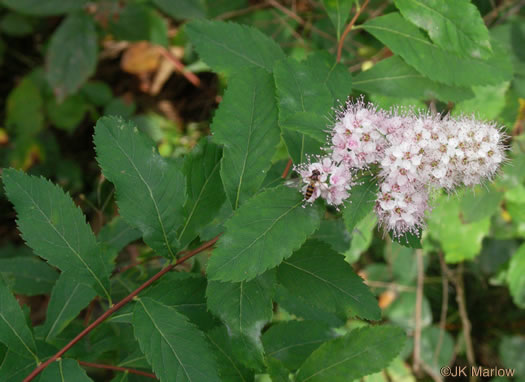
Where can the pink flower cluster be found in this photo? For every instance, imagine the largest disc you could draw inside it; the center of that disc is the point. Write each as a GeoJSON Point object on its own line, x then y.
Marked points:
{"type": "Point", "coordinates": [414, 153]}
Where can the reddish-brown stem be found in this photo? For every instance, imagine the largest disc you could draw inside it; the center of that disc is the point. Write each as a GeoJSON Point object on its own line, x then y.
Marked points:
{"type": "Point", "coordinates": [348, 29]}
{"type": "Point", "coordinates": [117, 306]}
{"type": "Point", "coordinates": [180, 67]}
{"type": "Point", "coordinates": [117, 368]}
{"type": "Point", "coordinates": [287, 169]}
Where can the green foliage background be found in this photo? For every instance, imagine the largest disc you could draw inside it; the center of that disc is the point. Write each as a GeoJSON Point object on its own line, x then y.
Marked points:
{"type": "Point", "coordinates": [111, 181]}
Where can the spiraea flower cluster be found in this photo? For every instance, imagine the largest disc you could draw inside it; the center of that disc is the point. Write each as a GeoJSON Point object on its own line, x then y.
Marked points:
{"type": "Point", "coordinates": [414, 153]}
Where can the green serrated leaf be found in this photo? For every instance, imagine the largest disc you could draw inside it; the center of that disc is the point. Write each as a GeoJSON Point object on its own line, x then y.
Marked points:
{"type": "Point", "coordinates": [361, 202]}
{"type": "Point", "coordinates": [64, 370]}
{"type": "Point", "coordinates": [458, 240]}
{"type": "Point", "coordinates": [415, 48]}
{"type": "Point", "coordinates": [311, 125]}
{"type": "Point", "coordinates": [68, 113]}
{"type": "Point", "coordinates": [189, 300]}
{"type": "Point", "coordinates": [229, 47]}
{"type": "Point", "coordinates": [117, 234]}
{"type": "Point", "coordinates": [516, 277]}
{"type": "Point", "coordinates": [361, 237]}
{"type": "Point", "coordinates": [299, 91]}
{"type": "Point", "coordinates": [321, 276]}
{"type": "Point", "coordinates": [361, 352]}
{"type": "Point", "coordinates": [56, 229]}
{"type": "Point", "coordinates": [488, 101]}
{"type": "Point", "coordinates": [174, 347]}
{"type": "Point", "coordinates": [204, 189]}
{"type": "Point", "coordinates": [277, 371]}
{"type": "Point", "coordinates": [263, 232]}
{"type": "Point", "coordinates": [31, 276]}
{"type": "Point", "coordinates": [245, 307]}
{"type": "Point", "coordinates": [182, 9]}
{"type": "Point", "coordinates": [230, 369]}
{"type": "Point", "coordinates": [333, 74]}
{"type": "Point", "coordinates": [395, 78]}
{"type": "Point", "coordinates": [338, 11]}
{"type": "Point", "coordinates": [246, 124]}
{"type": "Point", "coordinates": [14, 332]}
{"type": "Point", "coordinates": [44, 8]}
{"type": "Point", "coordinates": [457, 26]}
{"type": "Point", "coordinates": [150, 189]}
{"type": "Point", "coordinates": [480, 203]}
{"type": "Point", "coordinates": [292, 342]}
{"type": "Point", "coordinates": [72, 54]}
{"type": "Point", "coordinates": [68, 298]}
{"type": "Point", "coordinates": [25, 114]}
{"type": "Point", "coordinates": [408, 239]}
{"type": "Point", "coordinates": [334, 233]}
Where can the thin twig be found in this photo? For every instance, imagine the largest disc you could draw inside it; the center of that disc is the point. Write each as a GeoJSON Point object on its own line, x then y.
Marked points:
{"type": "Point", "coordinates": [417, 313]}
{"type": "Point", "coordinates": [179, 66]}
{"type": "Point", "coordinates": [444, 308]}
{"type": "Point", "coordinates": [348, 29]}
{"type": "Point", "coordinates": [287, 169]}
{"type": "Point", "coordinates": [117, 368]}
{"type": "Point", "coordinates": [117, 306]}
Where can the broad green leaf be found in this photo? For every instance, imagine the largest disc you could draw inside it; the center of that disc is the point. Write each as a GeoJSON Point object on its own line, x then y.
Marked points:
{"type": "Point", "coordinates": [480, 203]}
{"type": "Point", "coordinates": [140, 22]}
{"type": "Point", "coordinates": [458, 240]}
{"type": "Point", "coordinates": [182, 9]}
{"type": "Point", "coordinates": [338, 11]}
{"type": "Point", "coordinates": [64, 370]}
{"type": "Point", "coordinates": [408, 239]}
{"type": "Point", "coordinates": [44, 8]}
{"type": "Point", "coordinates": [25, 114]}
{"type": "Point", "coordinates": [402, 311]}
{"type": "Point", "coordinates": [298, 90]}
{"type": "Point", "coordinates": [321, 276]}
{"type": "Point", "coordinates": [516, 277]}
{"type": "Point", "coordinates": [229, 47]}
{"type": "Point", "coordinates": [245, 307]}
{"type": "Point", "coordinates": [230, 369]}
{"type": "Point", "coordinates": [117, 234]}
{"type": "Point", "coordinates": [335, 75]}
{"type": "Point", "coordinates": [203, 187]}
{"type": "Point", "coordinates": [431, 338]}
{"type": "Point", "coordinates": [31, 276]}
{"type": "Point", "coordinates": [488, 101]}
{"type": "Point", "coordinates": [305, 309]}
{"type": "Point", "coordinates": [334, 233]}
{"type": "Point", "coordinates": [292, 342]}
{"type": "Point", "coordinates": [56, 229]}
{"type": "Point", "coordinates": [67, 114]}
{"type": "Point", "coordinates": [455, 26]}
{"type": "Point", "coordinates": [312, 125]}
{"type": "Point", "coordinates": [14, 332]}
{"type": "Point", "coordinates": [68, 298]}
{"type": "Point", "coordinates": [362, 200]}
{"type": "Point", "coordinates": [16, 24]}
{"type": "Point", "coordinates": [189, 299]}
{"type": "Point", "coordinates": [263, 232]}
{"type": "Point", "coordinates": [14, 368]}
{"type": "Point", "coordinates": [276, 370]}
{"type": "Point", "coordinates": [361, 237]}
{"type": "Point", "coordinates": [407, 41]}
{"type": "Point", "coordinates": [97, 92]}
{"type": "Point", "coordinates": [394, 77]}
{"type": "Point", "coordinates": [72, 54]}
{"type": "Point", "coordinates": [246, 124]}
{"type": "Point", "coordinates": [150, 189]}
{"type": "Point", "coordinates": [361, 352]}
{"type": "Point", "coordinates": [511, 350]}
{"type": "Point", "coordinates": [175, 348]}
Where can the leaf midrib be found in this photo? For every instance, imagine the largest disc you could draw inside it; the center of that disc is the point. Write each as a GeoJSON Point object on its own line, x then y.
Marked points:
{"type": "Point", "coordinates": [19, 338]}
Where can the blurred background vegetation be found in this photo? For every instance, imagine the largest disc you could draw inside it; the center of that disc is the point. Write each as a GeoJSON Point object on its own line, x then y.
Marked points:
{"type": "Point", "coordinates": [63, 64]}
